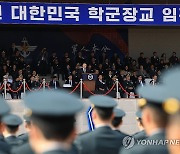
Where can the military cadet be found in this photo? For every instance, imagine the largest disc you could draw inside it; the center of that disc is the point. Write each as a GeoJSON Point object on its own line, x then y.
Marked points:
{"type": "Point", "coordinates": [4, 109]}
{"type": "Point", "coordinates": [103, 140]}
{"type": "Point", "coordinates": [117, 121]}
{"type": "Point", "coordinates": [154, 120]}
{"type": "Point", "coordinates": [52, 115]}
{"type": "Point", "coordinates": [11, 125]}
{"type": "Point", "coordinates": [141, 134]}
{"type": "Point", "coordinates": [172, 107]}
{"type": "Point", "coordinates": [27, 125]}
{"type": "Point", "coordinates": [25, 147]}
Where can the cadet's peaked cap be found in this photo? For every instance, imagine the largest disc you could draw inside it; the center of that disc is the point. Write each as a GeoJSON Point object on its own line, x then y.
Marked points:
{"type": "Point", "coordinates": [12, 120]}
{"type": "Point", "coordinates": [53, 103]}
{"type": "Point", "coordinates": [103, 101]}
{"type": "Point", "coordinates": [119, 113]}
{"type": "Point", "coordinates": [156, 94]}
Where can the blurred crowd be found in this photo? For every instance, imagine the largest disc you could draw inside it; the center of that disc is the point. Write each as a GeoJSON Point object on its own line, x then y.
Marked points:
{"type": "Point", "coordinates": [69, 68]}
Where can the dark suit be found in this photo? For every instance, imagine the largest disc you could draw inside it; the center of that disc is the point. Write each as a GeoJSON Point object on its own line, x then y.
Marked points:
{"type": "Point", "coordinates": [121, 133]}
{"type": "Point", "coordinates": [67, 73]}
{"type": "Point", "coordinates": [129, 84]}
{"type": "Point", "coordinates": [101, 85]}
{"type": "Point", "coordinates": [140, 135]}
{"type": "Point", "coordinates": [90, 71]}
{"type": "Point", "coordinates": [24, 149]}
{"type": "Point", "coordinates": [173, 60]}
{"type": "Point", "coordinates": [13, 141]}
{"type": "Point", "coordinates": [139, 83]}
{"type": "Point", "coordinates": [18, 84]}
{"type": "Point", "coordinates": [52, 84]}
{"type": "Point", "coordinates": [24, 137]}
{"type": "Point", "coordinates": [4, 147]}
{"type": "Point", "coordinates": [109, 81]}
{"type": "Point", "coordinates": [35, 85]}
{"type": "Point", "coordinates": [149, 149]}
{"type": "Point", "coordinates": [81, 71]}
{"type": "Point", "coordinates": [142, 61]}
{"type": "Point", "coordinates": [102, 140]}
{"type": "Point", "coordinates": [155, 60]}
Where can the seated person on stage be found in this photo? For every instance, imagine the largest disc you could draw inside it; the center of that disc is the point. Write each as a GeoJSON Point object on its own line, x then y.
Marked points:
{"type": "Point", "coordinates": [70, 81]}
{"type": "Point", "coordinates": [75, 77]}
{"type": "Point", "coordinates": [11, 85]}
{"type": "Point", "coordinates": [35, 83]}
{"type": "Point", "coordinates": [142, 72]}
{"type": "Point", "coordinates": [54, 83]}
{"type": "Point", "coordinates": [129, 86]}
{"type": "Point", "coordinates": [140, 81]}
{"type": "Point", "coordinates": [109, 79]}
{"type": "Point", "coordinates": [18, 83]}
{"type": "Point", "coordinates": [90, 69]}
{"type": "Point", "coordinates": [154, 80]}
{"type": "Point", "coordinates": [100, 85]}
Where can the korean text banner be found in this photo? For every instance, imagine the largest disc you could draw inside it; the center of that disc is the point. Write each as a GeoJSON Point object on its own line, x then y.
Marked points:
{"type": "Point", "coordinates": [88, 14]}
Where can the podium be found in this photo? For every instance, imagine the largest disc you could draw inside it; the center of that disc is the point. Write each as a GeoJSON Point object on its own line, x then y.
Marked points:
{"type": "Point", "coordinates": [89, 80]}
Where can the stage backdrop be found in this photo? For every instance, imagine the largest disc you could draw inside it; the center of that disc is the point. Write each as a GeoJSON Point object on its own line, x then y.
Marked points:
{"type": "Point", "coordinates": [65, 39]}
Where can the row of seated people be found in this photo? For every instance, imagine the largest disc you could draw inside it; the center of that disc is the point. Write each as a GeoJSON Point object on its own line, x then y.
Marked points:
{"type": "Point", "coordinates": [128, 84]}
{"type": "Point", "coordinates": [103, 84]}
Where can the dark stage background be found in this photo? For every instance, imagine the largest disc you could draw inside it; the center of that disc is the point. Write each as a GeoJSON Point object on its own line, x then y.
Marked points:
{"type": "Point", "coordinates": [60, 39]}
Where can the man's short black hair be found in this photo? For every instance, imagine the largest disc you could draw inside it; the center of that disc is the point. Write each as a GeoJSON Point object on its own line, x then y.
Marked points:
{"type": "Point", "coordinates": [140, 121]}
{"type": "Point", "coordinates": [104, 113]}
{"type": "Point", "coordinates": [117, 121]}
{"type": "Point", "coordinates": [54, 127]}
{"type": "Point", "coordinates": [12, 129]}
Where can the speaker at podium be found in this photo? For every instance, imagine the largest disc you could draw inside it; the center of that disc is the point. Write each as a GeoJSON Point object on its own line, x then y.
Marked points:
{"type": "Point", "coordinates": [89, 80]}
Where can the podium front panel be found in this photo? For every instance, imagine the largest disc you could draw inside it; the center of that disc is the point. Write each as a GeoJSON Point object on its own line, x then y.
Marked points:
{"type": "Point", "coordinates": [89, 76]}
{"type": "Point", "coordinates": [90, 84]}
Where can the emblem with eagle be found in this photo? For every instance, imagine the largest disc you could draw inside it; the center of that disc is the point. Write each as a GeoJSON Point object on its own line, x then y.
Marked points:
{"type": "Point", "coordinates": [25, 49]}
